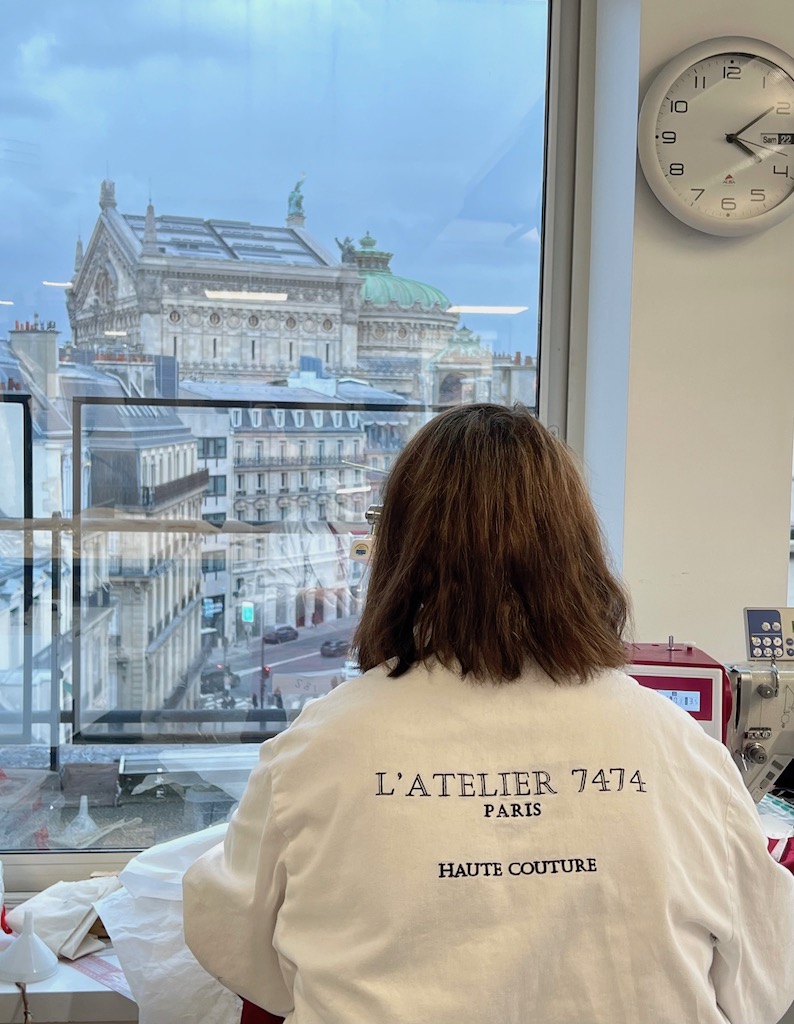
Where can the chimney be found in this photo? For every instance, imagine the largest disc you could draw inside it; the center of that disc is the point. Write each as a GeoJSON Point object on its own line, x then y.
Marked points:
{"type": "Point", "coordinates": [36, 347]}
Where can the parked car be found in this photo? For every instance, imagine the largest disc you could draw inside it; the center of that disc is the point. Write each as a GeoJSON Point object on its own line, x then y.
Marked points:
{"type": "Point", "coordinates": [215, 678]}
{"type": "Point", "coordinates": [334, 648]}
{"type": "Point", "coordinates": [280, 634]}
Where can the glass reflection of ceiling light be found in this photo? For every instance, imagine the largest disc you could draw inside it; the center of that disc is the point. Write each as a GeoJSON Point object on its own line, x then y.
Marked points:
{"type": "Point", "coordinates": [353, 490]}
{"type": "Point", "coordinates": [248, 296]}
{"type": "Point", "coordinates": [58, 284]}
{"type": "Point", "coordinates": [487, 309]}
{"type": "Point", "coordinates": [115, 334]}
{"type": "Point", "coordinates": [6, 302]}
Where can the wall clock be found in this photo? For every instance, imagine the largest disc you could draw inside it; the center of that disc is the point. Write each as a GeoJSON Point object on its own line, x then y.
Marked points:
{"type": "Point", "coordinates": [716, 136]}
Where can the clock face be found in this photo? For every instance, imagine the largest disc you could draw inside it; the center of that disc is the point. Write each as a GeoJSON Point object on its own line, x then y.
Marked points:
{"type": "Point", "coordinates": [717, 139]}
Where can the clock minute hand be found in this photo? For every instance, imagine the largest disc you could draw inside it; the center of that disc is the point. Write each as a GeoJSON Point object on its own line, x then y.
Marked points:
{"type": "Point", "coordinates": [732, 135]}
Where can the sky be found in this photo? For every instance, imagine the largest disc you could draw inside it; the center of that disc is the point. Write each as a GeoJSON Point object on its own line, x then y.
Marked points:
{"type": "Point", "coordinates": [420, 121]}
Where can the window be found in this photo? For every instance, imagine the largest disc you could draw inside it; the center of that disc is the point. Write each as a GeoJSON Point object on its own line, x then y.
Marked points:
{"type": "Point", "coordinates": [211, 448]}
{"type": "Point", "coordinates": [216, 486]}
{"type": "Point", "coordinates": [463, 226]}
{"type": "Point", "coordinates": [213, 561]}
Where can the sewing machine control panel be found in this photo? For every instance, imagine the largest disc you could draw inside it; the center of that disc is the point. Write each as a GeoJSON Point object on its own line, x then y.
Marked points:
{"type": "Point", "coordinates": [769, 633]}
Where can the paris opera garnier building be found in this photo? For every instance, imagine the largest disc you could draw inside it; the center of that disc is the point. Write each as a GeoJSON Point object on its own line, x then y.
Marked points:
{"type": "Point", "coordinates": [232, 299]}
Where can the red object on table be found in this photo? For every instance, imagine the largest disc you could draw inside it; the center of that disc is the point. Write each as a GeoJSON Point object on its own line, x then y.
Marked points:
{"type": "Point", "coordinates": [787, 860]}
{"type": "Point", "coordinates": [256, 1015]}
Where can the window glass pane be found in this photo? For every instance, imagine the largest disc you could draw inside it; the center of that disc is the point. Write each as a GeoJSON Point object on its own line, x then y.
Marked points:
{"type": "Point", "coordinates": [205, 377]}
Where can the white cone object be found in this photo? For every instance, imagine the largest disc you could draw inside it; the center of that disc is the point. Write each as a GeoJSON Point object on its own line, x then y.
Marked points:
{"type": "Point", "coordinates": [80, 827]}
{"type": "Point", "coordinates": [27, 959]}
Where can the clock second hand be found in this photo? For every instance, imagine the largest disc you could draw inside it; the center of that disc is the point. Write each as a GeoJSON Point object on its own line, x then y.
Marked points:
{"type": "Point", "coordinates": [760, 146]}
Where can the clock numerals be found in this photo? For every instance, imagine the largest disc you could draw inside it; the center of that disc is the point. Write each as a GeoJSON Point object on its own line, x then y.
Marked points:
{"type": "Point", "coordinates": [695, 128]}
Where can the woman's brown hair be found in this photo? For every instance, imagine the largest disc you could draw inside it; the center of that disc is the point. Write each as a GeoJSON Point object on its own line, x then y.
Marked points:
{"type": "Point", "coordinates": [489, 555]}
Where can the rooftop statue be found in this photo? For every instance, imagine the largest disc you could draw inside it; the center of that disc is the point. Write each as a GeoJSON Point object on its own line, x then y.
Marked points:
{"type": "Point", "coordinates": [347, 249]}
{"type": "Point", "coordinates": [295, 207]}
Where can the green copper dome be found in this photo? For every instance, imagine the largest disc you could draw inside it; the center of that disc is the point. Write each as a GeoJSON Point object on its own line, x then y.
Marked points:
{"type": "Point", "coordinates": [381, 288]}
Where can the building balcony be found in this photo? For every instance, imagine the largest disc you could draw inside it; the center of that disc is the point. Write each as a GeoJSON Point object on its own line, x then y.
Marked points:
{"type": "Point", "coordinates": [166, 494]}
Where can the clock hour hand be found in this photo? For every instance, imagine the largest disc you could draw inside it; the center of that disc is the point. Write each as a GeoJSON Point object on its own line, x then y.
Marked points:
{"type": "Point", "coordinates": [746, 149]}
{"type": "Point", "coordinates": [733, 135]}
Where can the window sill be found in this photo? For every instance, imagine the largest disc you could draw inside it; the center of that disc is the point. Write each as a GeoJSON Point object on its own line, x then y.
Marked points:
{"type": "Point", "coordinates": [26, 873]}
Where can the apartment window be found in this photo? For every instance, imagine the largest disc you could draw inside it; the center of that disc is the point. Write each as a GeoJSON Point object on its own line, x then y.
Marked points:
{"type": "Point", "coordinates": [258, 451]}
{"type": "Point", "coordinates": [213, 561]}
{"type": "Point", "coordinates": [211, 448]}
{"type": "Point", "coordinates": [473, 235]}
{"type": "Point", "coordinates": [321, 511]}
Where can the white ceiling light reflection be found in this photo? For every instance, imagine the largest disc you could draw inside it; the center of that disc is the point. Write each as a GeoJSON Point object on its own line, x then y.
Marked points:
{"type": "Point", "coordinates": [501, 310]}
{"type": "Point", "coordinates": [247, 296]}
{"type": "Point", "coordinates": [6, 302]}
{"type": "Point", "coordinates": [115, 334]}
{"type": "Point", "coordinates": [58, 284]}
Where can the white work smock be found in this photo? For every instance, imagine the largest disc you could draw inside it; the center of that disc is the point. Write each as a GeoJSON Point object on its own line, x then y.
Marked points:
{"type": "Point", "coordinates": [426, 850]}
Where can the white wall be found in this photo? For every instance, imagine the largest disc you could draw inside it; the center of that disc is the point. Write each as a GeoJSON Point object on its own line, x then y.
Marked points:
{"type": "Point", "coordinates": [693, 477]}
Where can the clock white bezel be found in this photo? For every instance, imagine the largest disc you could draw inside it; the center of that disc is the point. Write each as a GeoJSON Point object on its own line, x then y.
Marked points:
{"type": "Point", "coordinates": [646, 135]}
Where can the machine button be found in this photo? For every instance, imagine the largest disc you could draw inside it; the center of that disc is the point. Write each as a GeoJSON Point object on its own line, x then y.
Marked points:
{"type": "Point", "coordinates": [756, 652]}
{"type": "Point", "coordinates": [765, 627]}
{"type": "Point", "coordinates": [776, 626]}
{"type": "Point", "coordinates": [767, 641]}
{"type": "Point", "coordinates": [778, 642]}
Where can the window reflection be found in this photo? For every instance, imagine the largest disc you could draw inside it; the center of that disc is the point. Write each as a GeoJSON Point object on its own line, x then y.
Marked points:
{"type": "Point", "coordinates": [220, 364]}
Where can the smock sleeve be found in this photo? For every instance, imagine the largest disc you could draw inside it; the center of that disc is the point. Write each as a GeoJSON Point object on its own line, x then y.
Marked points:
{"type": "Point", "coordinates": [753, 970]}
{"type": "Point", "coordinates": [232, 895]}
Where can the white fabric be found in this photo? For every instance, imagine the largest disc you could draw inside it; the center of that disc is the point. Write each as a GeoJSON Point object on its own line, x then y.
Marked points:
{"type": "Point", "coordinates": [64, 914]}
{"type": "Point", "coordinates": [331, 898]}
